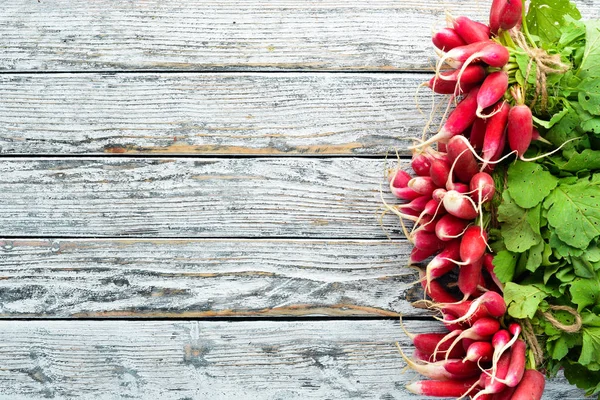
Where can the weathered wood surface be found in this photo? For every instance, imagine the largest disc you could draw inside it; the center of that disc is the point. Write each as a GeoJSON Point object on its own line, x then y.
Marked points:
{"type": "Point", "coordinates": [184, 113]}
{"type": "Point", "coordinates": [263, 35]}
{"type": "Point", "coordinates": [210, 360]}
{"type": "Point", "coordinates": [67, 35]}
{"type": "Point", "coordinates": [257, 197]}
{"type": "Point", "coordinates": [204, 278]}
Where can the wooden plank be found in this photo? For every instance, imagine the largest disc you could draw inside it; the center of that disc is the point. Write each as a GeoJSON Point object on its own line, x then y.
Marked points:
{"type": "Point", "coordinates": [210, 360]}
{"type": "Point", "coordinates": [248, 113]}
{"type": "Point", "coordinates": [204, 278]}
{"type": "Point", "coordinates": [69, 35]}
{"type": "Point", "coordinates": [194, 198]}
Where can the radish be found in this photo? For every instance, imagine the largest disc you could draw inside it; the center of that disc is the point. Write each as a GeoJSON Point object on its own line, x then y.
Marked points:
{"type": "Point", "coordinates": [471, 31]}
{"type": "Point", "coordinates": [495, 13]}
{"type": "Point", "coordinates": [421, 163]}
{"type": "Point", "coordinates": [426, 342]}
{"type": "Point", "coordinates": [439, 172]}
{"type": "Point", "coordinates": [477, 133]}
{"type": "Point", "coordinates": [482, 187]}
{"type": "Point", "coordinates": [479, 352]}
{"type": "Point", "coordinates": [506, 394]}
{"type": "Point", "coordinates": [491, 302]}
{"type": "Point", "coordinates": [473, 245]}
{"type": "Point", "coordinates": [405, 193]}
{"type": "Point", "coordinates": [446, 39]}
{"type": "Point", "coordinates": [442, 388]}
{"type": "Point", "coordinates": [493, 141]}
{"type": "Point", "coordinates": [427, 241]}
{"type": "Point", "coordinates": [458, 120]}
{"type": "Point", "coordinates": [456, 57]}
{"type": "Point", "coordinates": [491, 385]}
{"type": "Point", "coordinates": [441, 86]}
{"type": "Point", "coordinates": [417, 204]}
{"type": "Point", "coordinates": [472, 74]}
{"type": "Point", "coordinates": [491, 91]}
{"type": "Point", "coordinates": [465, 164]}
{"type": "Point", "coordinates": [445, 370]}
{"type": "Point", "coordinates": [468, 278]}
{"type": "Point", "coordinates": [511, 14]}
{"type": "Point", "coordinates": [399, 178]}
{"type": "Point", "coordinates": [419, 255]}
{"type": "Point", "coordinates": [482, 329]}
{"type": "Point", "coordinates": [519, 129]}
{"type": "Point", "coordinates": [442, 264]}
{"type": "Point", "coordinates": [423, 185]}
{"type": "Point", "coordinates": [460, 187]}
{"type": "Point", "coordinates": [438, 194]}
{"type": "Point", "coordinates": [531, 386]}
{"type": "Point", "coordinates": [450, 227]}
{"type": "Point", "coordinates": [516, 369]}
{"type": "Point", "coordinates": [460, 205]}
{"type": "Point", "coordinates": [493, 54]}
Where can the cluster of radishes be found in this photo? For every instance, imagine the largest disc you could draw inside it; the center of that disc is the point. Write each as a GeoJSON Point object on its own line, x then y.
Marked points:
{"type": "Point", "coordinates": [476, 68]}
{"type": "Point", "coordinates": [445, 200]}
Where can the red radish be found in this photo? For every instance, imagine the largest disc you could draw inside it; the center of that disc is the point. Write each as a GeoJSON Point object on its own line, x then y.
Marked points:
{"type": "Point", "coordinates": [437, 292]}
{"type": "Point", "coordinates": [479, 352]}
{"type": "Point", "coordinates": [458, 120]}
{"type": "Point", "coordinates": [531, 386]}
{"type": "Point", "coordinates": [405, 193]}
{"type": "Point", "coordinates": [399, 178]}
{"type": "Point", "coordinates": [492, 54]}
{"type": "Point", "coordinates": [441, 147]}
{"type": "Point", "coordinates": [472, 74]}
{"type": "Point", "coordinates": [442, 264]}
{"type": "Point", "coordinates": [461, 187]}
{"type": "Point", "coordinates": [450, 227]}
{"type": "Point", "coordinates": [438, 194]}
{"type": "Point", "coordinates": [445, 370]}
{"type": "Point", "coordinates": [468, 278]}
{"type": "Point", "coordinates": [491, 385]}
{"type": "Point", "coordinates": [456, 57]}
{"type": "Point", "coordinates": [417, 204]}
{"type": "Point", "coordinates": [515, 330]}
{"type": "Point", "coordinates": [491, 302]}
{"type": "Point", "coordinates": [465, 164]}
{"type": "Point", "coordinates": [471, 31]}
{"type": "Point", "coordinates": [442, 388]}
{"type": "Point", "coordinates": [439, 172]}
{"type": "Point", "coordinates": [460, 205]}
{"type": "Point", "coordinates": [506, 394]}
{"type": "Point", "coordinates": [423, 185]}
{"type": "Point", "coordinates": [491, 91]}
{"type": "Point", "coordinates": [499, 341]}
{"type": "Point", "coordinates": [419, 255]}
{"type": "Point", "coordinates": [428, 222]}
{"type": "Point", "coordinates": [495, 13]}
{"type": "Point", "coordinates": [420, 164]}
{"type": "Point", "coordinates": [426, 241]}
{"type": "Point", "coordinates": [446, 39]}
{"type": "Point", "coordinates": [511, 14]}
{"type": "Point", "coordinates": [495, 132]}
{"type": "Point", "coordinates": [516, 369]}
{"type": "Point", "coordinates": [473, 245]}
{"type": "Point", "coordinates": [482, 329]}
{"type": "Point", "coordinates": [489, 266]}
{"type": "Point", "coordinates": [482, 187]}
{"type": "Point", "coordinates": [477, 133]}
{"type": "Point", "coordinates": [519, 128]}
{"type": "Point", "coordinates": [420, 356]}
{"type": "Point", "coordinates": [441, 86]}
{"type": "Point", "coordinates": [426, 342]}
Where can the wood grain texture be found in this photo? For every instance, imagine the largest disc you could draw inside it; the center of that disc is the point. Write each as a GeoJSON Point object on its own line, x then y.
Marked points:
{"type": "Point", "coordinates": [211, 360]}
{"type": "Point", "coordinates": [250, 113]}
{"type": "Point", "coordinates": [69, 35]}
{"type": "Point", "coordinates": [204, 278]}
{"type": "Point", "coordinates": [185, 198]}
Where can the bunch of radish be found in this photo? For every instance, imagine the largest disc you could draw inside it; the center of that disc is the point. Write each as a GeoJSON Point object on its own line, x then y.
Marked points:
{"type": "Point", "coordinates": [473, 67]}
{"type": "Point", "coordinates": [444, 196]}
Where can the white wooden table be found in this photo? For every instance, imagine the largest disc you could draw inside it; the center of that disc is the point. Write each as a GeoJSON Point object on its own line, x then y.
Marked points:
{"type": "Point", "coordinates": [190, 196]}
